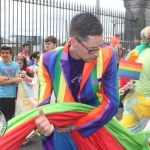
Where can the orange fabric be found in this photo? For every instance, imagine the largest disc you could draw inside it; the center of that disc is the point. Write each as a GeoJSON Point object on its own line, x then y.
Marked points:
{"type": "Point", "coordinates": [114, 42]}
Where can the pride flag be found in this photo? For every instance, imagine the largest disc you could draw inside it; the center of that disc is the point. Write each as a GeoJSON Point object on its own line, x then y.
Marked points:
{"type": "Point", "coordinates": [129, 70]}
{"type": "Point", "coordinates": [64, 114]}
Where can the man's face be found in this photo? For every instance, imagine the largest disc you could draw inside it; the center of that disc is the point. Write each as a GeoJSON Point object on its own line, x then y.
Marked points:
{"type": "Point", "coordinates": [6, 55]}
{"type": "Point", "coordinates": [92, 45]}
{"type": "Point", "coordinates": [49, 46]}
{"type": "Point", "coordinates": [26, 49]}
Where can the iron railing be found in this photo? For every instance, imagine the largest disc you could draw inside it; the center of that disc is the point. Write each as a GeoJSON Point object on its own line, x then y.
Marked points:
{"type": "Point", "coordinates": [33, 20]}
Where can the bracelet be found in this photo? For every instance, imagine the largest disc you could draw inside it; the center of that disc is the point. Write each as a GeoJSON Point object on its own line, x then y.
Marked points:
{"type": "Point", "coordinates": [70, 128]}
{"type": "Point", "coordinates": [9, 78]}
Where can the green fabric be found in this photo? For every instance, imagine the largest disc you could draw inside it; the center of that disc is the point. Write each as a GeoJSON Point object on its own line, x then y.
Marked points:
{"type": "Point", "coordinates": [143, 84]}
{"type": "Point", "coordinates": [127, 139]}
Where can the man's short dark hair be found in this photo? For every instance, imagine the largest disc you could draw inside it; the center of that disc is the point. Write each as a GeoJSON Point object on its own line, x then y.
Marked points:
{"type": "Point", "coordinates": [25, 44]}
{"type": "Point", "coordinates": [51, 39]}
{"type": "Point", "coordinates": [84, 25]}
{"type": "Point", "coordinates": [5, 47]}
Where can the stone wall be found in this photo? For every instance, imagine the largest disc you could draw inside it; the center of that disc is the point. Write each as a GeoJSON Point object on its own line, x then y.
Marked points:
{"type": "Point", "coordinates": [140, 10]}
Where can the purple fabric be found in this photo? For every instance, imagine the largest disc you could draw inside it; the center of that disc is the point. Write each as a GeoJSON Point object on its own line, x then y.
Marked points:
{"type": "Point", "coordinates": [66, 72]}
{"type": "Point", "coordinates": [76, 68]}
{"type": "Point", "coordinates": [82, 96]}
{"type": "Point", "coordinates": [64, 56]}
{"type": "Point", "coordinates": [92, 122]}
{"type": "Point", "coordinates": [48, 144]}
{"type": "Point", "coordinates": [30, 62]}
{"type": "Point", "coordinates": [46, 60]}
{"type": "Point", "coordinates": [46, 101]}
{"type": "Point", "coordinates": [96, 80]}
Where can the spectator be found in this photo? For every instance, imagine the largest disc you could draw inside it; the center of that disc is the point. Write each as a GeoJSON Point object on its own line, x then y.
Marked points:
{"type": "Point", "coordinates": [137, 105]}
{"type": "Point", "coordinates": [25, 72]}
{"type": "Point", "coordinates": [116, 45]}
{"type": "Point", "coordinates": [33, 56]}
{"type": "Point", "coordinates": [9, 76]}
{"type": "Point", "coordinates": [25, 49]}
{"type": "Point", "coordinates": [114, 40]}
{"type": "Point", "coordinates": [36, 58]}
{"type": "Point", "coordinates": [50, 43]}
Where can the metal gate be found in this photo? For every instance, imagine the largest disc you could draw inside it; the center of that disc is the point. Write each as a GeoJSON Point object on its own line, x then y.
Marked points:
{"type": "Point", "coordinates": [32, 21]}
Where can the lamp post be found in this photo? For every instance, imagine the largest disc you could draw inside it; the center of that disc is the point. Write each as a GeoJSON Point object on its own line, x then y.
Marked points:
{"type": "Point", "coordinates": [98, 8]}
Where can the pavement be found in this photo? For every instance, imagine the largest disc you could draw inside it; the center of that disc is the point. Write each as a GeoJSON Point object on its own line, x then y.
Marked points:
{"type": "Point", "coordinates": [36, 144]}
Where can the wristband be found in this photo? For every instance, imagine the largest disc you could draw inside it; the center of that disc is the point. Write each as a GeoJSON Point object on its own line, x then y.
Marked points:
{"type": "Point", "coordinates": [9, 78]}
{"type": "Point", "coordinates": [70, 128]}
{"type": "Point", "coordinates": [41, 136]}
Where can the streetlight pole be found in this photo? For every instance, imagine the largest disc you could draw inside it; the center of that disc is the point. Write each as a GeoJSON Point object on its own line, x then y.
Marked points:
{"type": "Point", "coordinates": [98, 8]}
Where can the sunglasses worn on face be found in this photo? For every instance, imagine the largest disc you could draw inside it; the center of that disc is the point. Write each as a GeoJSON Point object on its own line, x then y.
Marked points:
{"type": "Point", "coordinates": [90, 51]}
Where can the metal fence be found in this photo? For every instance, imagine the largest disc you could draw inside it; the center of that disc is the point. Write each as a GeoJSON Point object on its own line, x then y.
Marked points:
{"type": "Point", "coordinates": [33, 20]}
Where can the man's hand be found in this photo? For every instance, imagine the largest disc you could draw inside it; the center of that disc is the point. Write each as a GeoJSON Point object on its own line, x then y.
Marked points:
{"type": "Point", "coordinates": [43, 124]}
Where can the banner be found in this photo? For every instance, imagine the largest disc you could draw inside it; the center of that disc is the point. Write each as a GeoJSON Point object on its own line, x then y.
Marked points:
{"type": "Point", "coordinates": [27, 97]}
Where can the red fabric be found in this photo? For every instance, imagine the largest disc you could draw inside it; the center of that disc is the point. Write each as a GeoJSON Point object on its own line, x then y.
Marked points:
{"type": "Point", "coordinates": [123, 82]}
{"type": "Point", "coordinates": [100, 140]}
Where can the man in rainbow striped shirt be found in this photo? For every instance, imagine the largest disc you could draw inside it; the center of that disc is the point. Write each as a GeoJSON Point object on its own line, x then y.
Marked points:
{"type": "Point", "coordinates": [82, 71]}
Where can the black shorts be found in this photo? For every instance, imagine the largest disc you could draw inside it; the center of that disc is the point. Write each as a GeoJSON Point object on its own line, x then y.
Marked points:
{"type": "Point", "coordinates": [7, 106]}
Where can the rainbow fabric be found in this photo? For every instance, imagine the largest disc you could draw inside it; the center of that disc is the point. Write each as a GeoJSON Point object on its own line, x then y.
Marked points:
{"type": "Point", "coordinates": [145, 33]}
{"type": "Point", "coordinates": [20, 126]}
{"type": "Point", "coordinates": [129, 70]}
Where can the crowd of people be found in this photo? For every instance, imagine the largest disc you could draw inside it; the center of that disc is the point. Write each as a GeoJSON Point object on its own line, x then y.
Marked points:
{"type": "Point", "coordinates": [83, 71]}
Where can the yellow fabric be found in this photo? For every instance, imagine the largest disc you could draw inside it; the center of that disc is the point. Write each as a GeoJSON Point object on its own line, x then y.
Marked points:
{"type": "Point", "coordinates": [136, 112]}
{"type": "Point", "coordinates": [0, 58]}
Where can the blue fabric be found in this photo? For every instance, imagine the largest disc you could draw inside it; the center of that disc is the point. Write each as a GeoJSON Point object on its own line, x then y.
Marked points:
{"type": "Point", "coordinates": [63, 141]}
{"type": "Point", "coordinates": [8, 70]}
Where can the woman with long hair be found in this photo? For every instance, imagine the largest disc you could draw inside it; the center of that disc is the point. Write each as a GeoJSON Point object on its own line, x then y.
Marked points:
{"type": "Point", "coordinates": [25, 72]}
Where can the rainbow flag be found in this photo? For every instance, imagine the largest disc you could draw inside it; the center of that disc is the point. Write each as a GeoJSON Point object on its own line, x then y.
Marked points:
{"type": "Point", "coordinates": [64, 114]}
{"type": "Point", "coordinates": [129, 70]}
